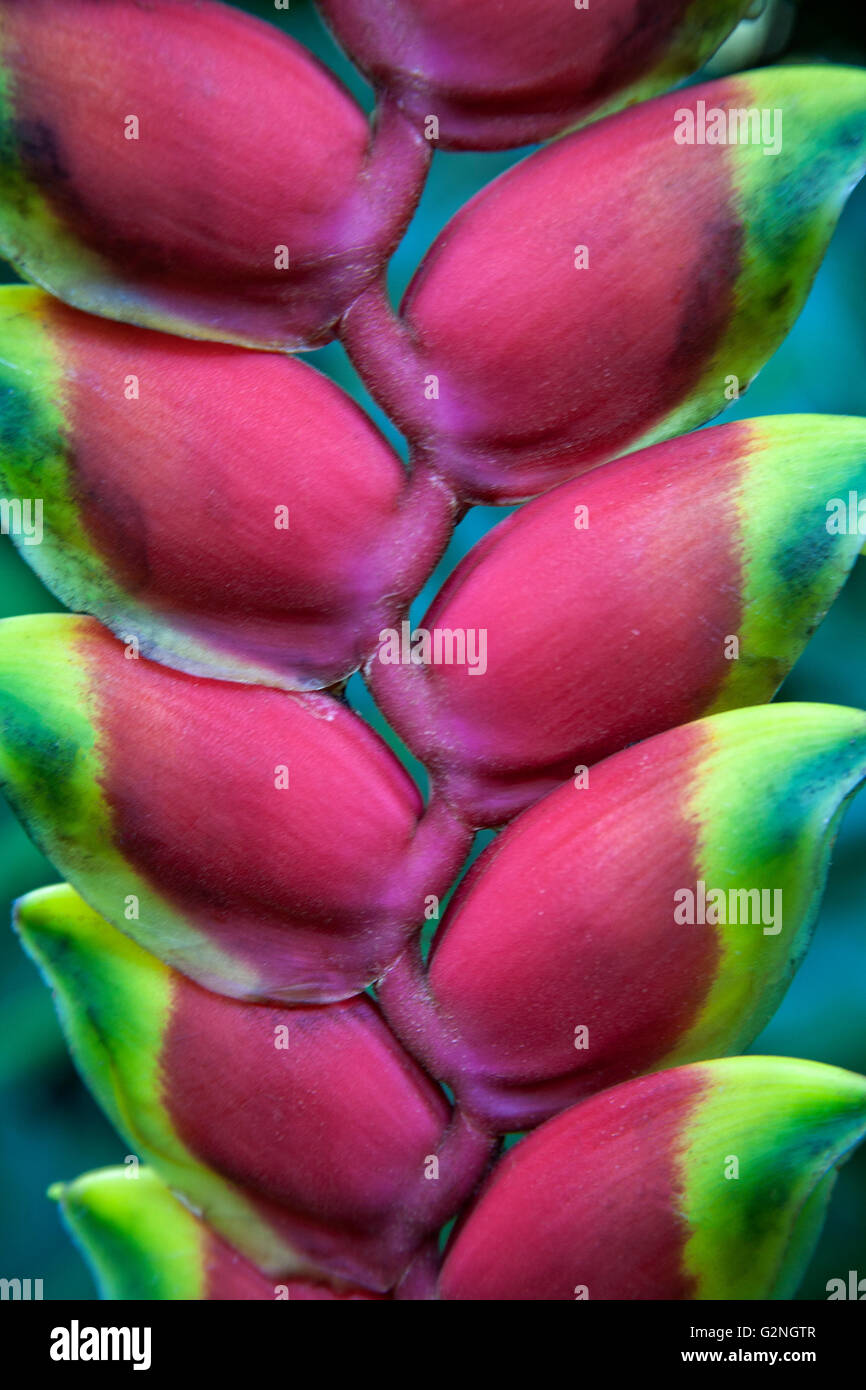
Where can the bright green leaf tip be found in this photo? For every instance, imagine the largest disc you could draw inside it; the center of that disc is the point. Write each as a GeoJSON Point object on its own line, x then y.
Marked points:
{"type": "Point", "coordinates": [138, 1239]}
{"type": "Point", "coordinates": [758, 1165]}
{"type": "Point", "coordinates": [111, 996]}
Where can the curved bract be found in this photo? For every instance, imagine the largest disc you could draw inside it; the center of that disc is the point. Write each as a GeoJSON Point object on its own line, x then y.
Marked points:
{"type": "Point", "coordinates": [234, 512]}
{"type": "Point", "coordinates": [267, 844]}
{"type": "Point", "coordinates": [183, 166]}
{"type": "Point", "coordinates": [141, 1242]}
{"type": "Point", "coordinates": [649, 915]}
{"type": "Point", "coordinates": [705, 1182]}
{"type": "Point", "coordinates": [494, 78]}
{"type": "Point", "coordinates": [617, 287]}
{"type": "Point", "coordinates": [677, 582]}
{"type": "Point", "coordinates": [301, 1135]}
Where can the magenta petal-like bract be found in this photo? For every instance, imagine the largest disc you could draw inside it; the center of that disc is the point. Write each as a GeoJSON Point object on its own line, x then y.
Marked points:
{"type": "Point", "coordinates": [267, 844]}
{"type": "Point", "coordinates": [182, 165]}
{"type": "Point", "coordinates": [705, 1182]}
{"type": "Point", "coordinates": [679, 581]}
{"type": "Point", "coordinates": [649, 913]}
{"type": "Point", "coordinates": [491, 76]}
{"type": "Point", "coordinates": [619, 286]}
{"type": "Point", "coordinates": [143, 1243]}
{"type": "Point", "coordinates": [306, 1137]}
{"type": "Point", "coordinates": [234, 512]}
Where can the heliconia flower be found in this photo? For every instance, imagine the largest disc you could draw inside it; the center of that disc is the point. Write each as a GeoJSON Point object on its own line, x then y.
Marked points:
{"type": "Point", "coordinates": [653, 914]}
{"type": "Point", "coordinates": [491, 81]}
{"type": "Point", "coordinates": [706, 1182]}
{"type": "Point", "coordinates": [619, 286]}
{"type": "Point", "coordinates": [307, 1138]}
{"type": "Point", "coordinates": [674, 583]}
{"type": "Point", "coordinates": [141, 1242]}
{"type": "Point", "coordinates": [267, 844]}
{"type": "Point", "coordinates": [236, 512]}
{"type": "Point", "coordinates": [184, 166]}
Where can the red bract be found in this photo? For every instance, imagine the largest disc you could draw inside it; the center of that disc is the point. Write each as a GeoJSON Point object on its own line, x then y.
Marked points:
{"type": "Point", "coordinates": [306, 1137]}
{"type": "Point", "coordinates": [235, 512]}
{"type": "Point", "coordinates": [653, 913]}
{"type": "Point", "coordinates": [492, 78]}
{"type": "Point", "coordinates": [679, 581]}
{"type": "Point", "coordinates": [183, 166]}
{"type": "Point", "coordinates": [616, 287]}
{"type": "Point", "coordinates": [703, 1182]}
{"type": "Point", "coordinates": [269, 845]}
{"type": "Point", "coordinates": [142, 1242]}
{"type": "Point", "coordinates": [336, 1130]}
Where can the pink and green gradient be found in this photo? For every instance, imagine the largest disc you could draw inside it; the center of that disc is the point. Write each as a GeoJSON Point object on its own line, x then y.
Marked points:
{"type": "Point", "coordinates": [495, 80]}
{"type": "Point", "coordinates": [245, 145]}
{"type": "Point", "coordinates": [635, 580]}
{"type": "Point", "coordinates": [705, 1182]}
{"type": "Point", "coordinates": [142, 1243]}
{"type": "Point", "coordinates": [563, 966]}
{"type": "Point", "coordinates": [303, 1136]}
{"type": "Point", "coordinates": [267, 844]}
{"type": "Point", "coordinates": [237, 513]}
{"type": "Point", "coordinates": [700, 259]}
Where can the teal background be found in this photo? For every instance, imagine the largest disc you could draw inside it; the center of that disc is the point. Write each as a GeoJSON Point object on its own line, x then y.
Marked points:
{"type": "Point", "coordinates": [50, 1127]}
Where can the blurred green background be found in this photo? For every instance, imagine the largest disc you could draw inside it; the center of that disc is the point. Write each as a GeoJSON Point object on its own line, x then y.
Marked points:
{"type": "Point", "coordinates": [50, 1127]}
